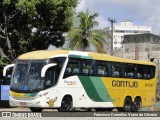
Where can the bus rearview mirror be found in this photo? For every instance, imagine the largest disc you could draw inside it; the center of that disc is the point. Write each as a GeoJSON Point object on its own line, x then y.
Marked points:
{"type": "Point", "coordinates": [6, 68]}
{"type": "Point", "coordinates": [45, 68]}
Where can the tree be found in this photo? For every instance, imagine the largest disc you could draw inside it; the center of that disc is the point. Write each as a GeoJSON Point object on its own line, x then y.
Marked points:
{"type": "Point", "coordinates": [27, 25]}
{"type": "Point", "coordinates": [80, 38]}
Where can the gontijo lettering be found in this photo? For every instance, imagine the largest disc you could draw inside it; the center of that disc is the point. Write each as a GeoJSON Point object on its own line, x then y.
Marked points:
{"type": "Point", "coordinates": [117, 83]}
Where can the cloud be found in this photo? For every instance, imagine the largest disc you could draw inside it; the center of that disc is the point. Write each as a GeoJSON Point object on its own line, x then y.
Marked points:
{"type": "Point", "coordinates": [142, 12]}
{"type": "Point", "coordinates": [103, 22]}
{"type": "Point", "coordinates": [154, 22]}
{"type": "Point", "coordinates": [84, 5]}
{"type": "Point", "coordinates": [81, 6]}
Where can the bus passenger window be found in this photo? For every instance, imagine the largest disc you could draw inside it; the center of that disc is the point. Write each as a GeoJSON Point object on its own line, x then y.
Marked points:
{"type": "Point", "coordinates": [50, 77]}
{"type": "Point", "coordinates": [101, 72]}
{"type": "Point", "coordinates": [102, 68]}
{"type": "Point", "coordinates": [85, 71]}
{"type": "Point", "coordinates": [87, 67]}
{"type": "Point", "coordinates": [139, 75]}
{"type": "Point", "coordinates": [115, 74]}
{"type": "Point", "coordinates": [91, 72]}
{"type": "Point", "coordinates": [60, 62]}
{"type": "Point", "coordinates": [75, 71]}
{"type": "Point", "coordinates": [140, 71]}
{"type": "Point", "coordinates": [129, 70]}
{"type": "Point", "coordinates": [72, 67]}
{"type": "Point", "coordinates": [68, 70]}
{"type": "Point", "coordinates": [116, 70]}
{"type": "Point", "coordinates": [148, 76]}
{"type": "Point", "coordinates": [130, 75]}
{"type": "Point", "coordinates": [151, 72]}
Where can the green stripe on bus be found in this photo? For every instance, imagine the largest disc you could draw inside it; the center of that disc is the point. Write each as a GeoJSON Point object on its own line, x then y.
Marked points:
{"type": "Point", "coordinates": [101, 89]}
{"type": "Point", "coordinates": [95, 89]}
{"type": "Point", "coordinates": [89, 88]}
{"type": "Point", "coordinates": [79, 56]}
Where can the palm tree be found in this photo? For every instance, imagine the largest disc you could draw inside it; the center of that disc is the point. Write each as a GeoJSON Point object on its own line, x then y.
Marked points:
{"type": "Point", "coordinates": [84, 36]}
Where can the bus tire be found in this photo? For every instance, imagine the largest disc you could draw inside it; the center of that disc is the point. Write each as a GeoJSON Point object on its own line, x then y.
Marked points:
{"type": "Point", "coordinates": [34, 109]}
{"type": "Point", "coordinates": [126, 106]}
{"type": "Point", "coordinates": [136, 104]}
{"type": "Point", "coordinates": [66, 104]}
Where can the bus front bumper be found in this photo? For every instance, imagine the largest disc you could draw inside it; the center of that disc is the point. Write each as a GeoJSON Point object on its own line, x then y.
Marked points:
{"type": "Point", "coordinates": [40, 102]}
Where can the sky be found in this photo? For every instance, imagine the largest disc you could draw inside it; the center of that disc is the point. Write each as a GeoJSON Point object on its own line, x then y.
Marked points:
{"type": "Point", "coordinates": [141, 12]}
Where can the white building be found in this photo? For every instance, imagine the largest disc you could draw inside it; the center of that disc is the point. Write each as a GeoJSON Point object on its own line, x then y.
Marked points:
{"type": "Point", "coordinates": [126, 28]}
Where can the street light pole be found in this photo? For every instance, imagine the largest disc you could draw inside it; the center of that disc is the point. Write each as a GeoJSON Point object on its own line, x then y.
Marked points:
{"type": "Point", "coordinates": [112, 21]}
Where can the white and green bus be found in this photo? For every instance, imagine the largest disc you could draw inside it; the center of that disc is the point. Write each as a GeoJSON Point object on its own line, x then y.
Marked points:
{"type": "Point", "coordinates": [66, 80]}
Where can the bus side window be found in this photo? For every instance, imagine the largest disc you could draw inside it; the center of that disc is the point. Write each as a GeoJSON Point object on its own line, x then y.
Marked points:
{"type": "Point", "coordinates": [129, 70]}
{"type": "Point", "coordinates": [102, 68]}
{"type": "Point", "coordinates": [151, 72]}
{"type": "Point", "coordinates": [72, 67]}
{"type": "Point", "coordinates": [75, 71]}
{"type": "Point", "coordinates": [50, 77]}
{"type": "Point", "coordinates": [60, 62]}
{"type": "Point", "coordinates": [145, 71]}
{"type": "Point", "coordinates": [130, 75]}
{"type": "Point", "coordinates": [140, 71]}
{"type": "Point", "coordinates": [68, 70]}
{"type": "Point", "coordinates": [116, 69]}
{"type": "Point", "coordinates": [87, 67]}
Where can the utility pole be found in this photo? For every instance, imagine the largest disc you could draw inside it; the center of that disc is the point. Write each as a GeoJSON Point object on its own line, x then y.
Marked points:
{"type": "Point", "coordinates": [112, 21]}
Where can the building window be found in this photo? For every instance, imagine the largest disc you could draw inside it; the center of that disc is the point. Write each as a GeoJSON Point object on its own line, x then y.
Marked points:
{"type": "Point", "coordinates": [115, 42]}
{"type": "Point", "coordinates": [129, 31]}
{"type": "Point", "coordinates": [135, 31]}
{"type": "Point", "coordinates": [120, 31]}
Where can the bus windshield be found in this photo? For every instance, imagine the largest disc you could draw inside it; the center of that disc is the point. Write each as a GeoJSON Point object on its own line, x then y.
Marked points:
{"type": "Point", "coordinates": [27, 75]}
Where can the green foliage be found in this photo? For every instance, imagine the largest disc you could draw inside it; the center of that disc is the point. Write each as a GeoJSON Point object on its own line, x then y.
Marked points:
{"type": "Point", "coordinates": [6, 2]}
{"type": "Point", "coordinates": [87, 21]}
{"type": "Point", "coordinates": [1, 62]}
{"type": "Point", "coordinates": [28, 6]}
{"type": "Point", "coordinates": [84, 35]}
{"type": "Point", "coordinates": [28, 25]}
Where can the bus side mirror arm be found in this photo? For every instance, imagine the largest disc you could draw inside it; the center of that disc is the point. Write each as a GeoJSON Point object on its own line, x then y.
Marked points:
{"type": "Point", "coordinates": [7, 67]}
{"type": "Point", "coordinates": [44, 69]}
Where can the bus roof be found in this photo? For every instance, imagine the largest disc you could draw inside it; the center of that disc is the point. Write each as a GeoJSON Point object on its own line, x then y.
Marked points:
{"type": "Point", "coordinates": [106, 57]}
{"type": "Point", "coordinates": [42, 54]}
{"type": "Point", "coordinates": [46, 54]}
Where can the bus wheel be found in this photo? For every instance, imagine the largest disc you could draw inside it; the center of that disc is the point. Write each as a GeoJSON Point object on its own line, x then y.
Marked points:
{"type": "Point", "coordinates": [66, 105]}
{"type": "Point", "coordinates": [33, 109]}
{"type": "Point", "coordinates": [136, 105]}
{"type": "Point", "coordinates": [103, 109]}
{"type": "Point", "coordinates": [127, 105]}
